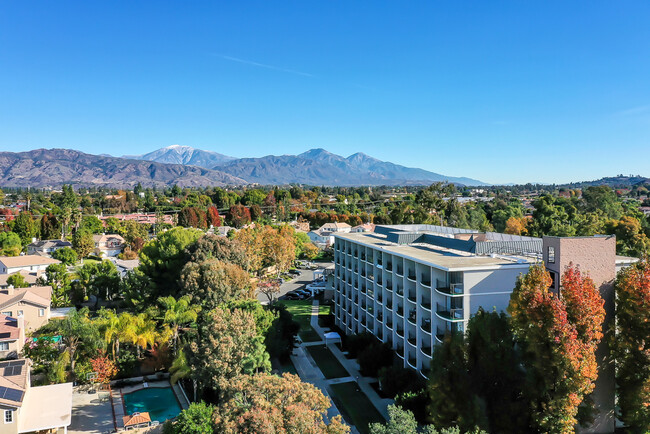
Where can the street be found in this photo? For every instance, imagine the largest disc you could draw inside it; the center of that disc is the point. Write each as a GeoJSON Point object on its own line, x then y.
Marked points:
{"type": "Point", "coordinates": [306, 276]}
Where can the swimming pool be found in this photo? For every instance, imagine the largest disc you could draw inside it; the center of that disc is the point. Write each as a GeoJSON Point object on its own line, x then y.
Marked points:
{"type": "Point", "coordinates": [160, 402]}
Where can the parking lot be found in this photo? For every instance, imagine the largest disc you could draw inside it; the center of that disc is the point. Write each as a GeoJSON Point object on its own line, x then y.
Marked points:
{"type": "Point", "coordinates": [299, 282]}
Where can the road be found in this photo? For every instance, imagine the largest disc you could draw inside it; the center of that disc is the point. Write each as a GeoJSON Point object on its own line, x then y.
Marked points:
{"type": "Point", "coordinates": [306, 276]}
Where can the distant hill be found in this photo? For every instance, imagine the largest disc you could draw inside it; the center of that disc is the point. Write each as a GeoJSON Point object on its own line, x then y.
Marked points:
{"type": "Point", "coordinates": [54, 167]}
{"type": "Point", "coordinates": [177, 154]}
{"type": "Point", "coordinates": [320, 167]}
{"type": "Point", "coordinates": [620, 181]}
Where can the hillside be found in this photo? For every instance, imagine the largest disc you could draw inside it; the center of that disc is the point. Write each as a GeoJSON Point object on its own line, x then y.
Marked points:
{"type": "Point", "coordinates": [177, 154]}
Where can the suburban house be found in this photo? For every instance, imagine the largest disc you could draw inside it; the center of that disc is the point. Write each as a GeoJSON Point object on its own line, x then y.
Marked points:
{"type": "Point", "coordinates": [12, 336]}
{"type": "Point", "coordinates": [27, 409]}
{"type": "Point", "coordinates": [30, 263]}
{"type": "Point", "coordinates": [33, 304]}
{"type": "Point", "coordinates": [324, 236]}
{"type": "Point", "coordinates": [108, 245]}
{"type": "Point", "coordinates": [46, 247]}
{"type": "Point", "coordinates": [300, 225]}
{"type": "Point", "coordinates": [366, 227]}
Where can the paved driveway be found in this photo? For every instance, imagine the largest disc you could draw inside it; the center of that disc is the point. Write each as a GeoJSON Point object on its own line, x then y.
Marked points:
{"type": "Point", "coordinates": [90, 414]}
{"type": "Point", "coordinates": [306, 276]}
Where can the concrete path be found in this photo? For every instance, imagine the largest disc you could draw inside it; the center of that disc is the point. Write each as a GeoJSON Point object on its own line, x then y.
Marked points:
{"type": "Point", "coordinates": [352, 367]}
{"type": "Point", "coordinates": [91, 413]}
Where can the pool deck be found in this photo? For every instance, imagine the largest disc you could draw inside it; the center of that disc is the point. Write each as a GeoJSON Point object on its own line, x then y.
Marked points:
{"type": "Point", "coordinates": [117, 398]}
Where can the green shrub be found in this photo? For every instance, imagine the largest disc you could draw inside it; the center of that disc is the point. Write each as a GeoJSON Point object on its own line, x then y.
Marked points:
{"type": "Point", "coordinates": [375, 357]}
{"type": "Point", "coordinates": [359, 342]}
{"type": "Point", "coordinates": [396, 380]}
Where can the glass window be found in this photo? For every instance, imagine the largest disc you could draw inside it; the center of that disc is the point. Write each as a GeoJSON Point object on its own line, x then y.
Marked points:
{"type": "Point", "coordinates": [4, 346]}
{"type": "Point", "coordinates": [20, 312]}
{"type": "Point", "coordinates": [551, 255]}
{"type": "Point", "coordinates": [8, 313]}
{"type": "Point", "coordinates": [41, 312]}
{"type": "Point", "coordinates": [9, 416]}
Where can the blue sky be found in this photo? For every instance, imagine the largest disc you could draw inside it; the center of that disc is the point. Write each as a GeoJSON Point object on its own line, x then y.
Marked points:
{"type": "Point", "coordinates": [498, 91]}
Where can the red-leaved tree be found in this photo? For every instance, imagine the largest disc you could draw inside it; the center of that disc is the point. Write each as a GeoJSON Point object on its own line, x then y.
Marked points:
{"type": "Point", "coordinates": [104, 367]}
{"type": "Point", "coordinates": [559, 336]}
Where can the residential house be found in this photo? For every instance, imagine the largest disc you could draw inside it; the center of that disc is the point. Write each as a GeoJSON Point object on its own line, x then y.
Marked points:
{"type": "Point", "coordinates": [32, 303]}
{"type": "Point", "coordinates": [30, 278]}
{"type": "Point", "coordinates": [108, 245]}
{"type": "Point", "coordinates": [324, 236]}
{"type": "Point", "coordinates": [300, 226]}
{"type": "Point", "coordinates": [46, 247]}
{"type": "Point", "coordinates": [12, 336]}
{"type": "Point", "coordinates": [366, 227]}
{"type": "Point", "coordinates": [27, 409]}
{"type": "Point", "coordinates": [31, 263]}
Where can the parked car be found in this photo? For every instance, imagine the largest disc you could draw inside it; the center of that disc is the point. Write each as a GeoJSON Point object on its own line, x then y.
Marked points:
{"type": "Point", "coordinates": [291, 296]}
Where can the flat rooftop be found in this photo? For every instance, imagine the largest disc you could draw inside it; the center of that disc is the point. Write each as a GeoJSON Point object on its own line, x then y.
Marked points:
{"type": "Point", "coordinates": [437, 257]}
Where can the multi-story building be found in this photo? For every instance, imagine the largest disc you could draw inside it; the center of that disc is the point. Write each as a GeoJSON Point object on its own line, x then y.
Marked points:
{"type": "Point", "coordinates": [410, 285]}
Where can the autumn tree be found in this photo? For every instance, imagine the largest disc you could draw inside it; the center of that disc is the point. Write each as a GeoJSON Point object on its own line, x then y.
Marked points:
{"type": "Point", "coordinates": [192, 217]}
{"type": "Point", "coordinates": [270, 288]}
{"type": "Point", "coordinates": [516, 226]}
{"type": "Point", "coordinates": [268, 247]}
{"type": "Point", "coordinates": [226, 345]}
{"type": "Point", "coordinates": [266, 404]}
{"type": "Point", "coordinates": [50, 227]}
{"type": "Point", "coordinates": [631, 346]}
{"type": "Point", "coordinates": [105, 369]}
{"type": "Point", "coordinates": [213, 217]}
{"type": "Point", "coordinates": [559, 336]}
{"type": "Point", "coordinates": [239, 216]}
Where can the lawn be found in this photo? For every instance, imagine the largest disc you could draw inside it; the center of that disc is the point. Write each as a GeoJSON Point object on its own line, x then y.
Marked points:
{"type": "Point", "coordinates": [355, 406]}
{"type": "Point", "coordinates": [327, 363]}
{"type": "Point", "coordinates": [301, 311]}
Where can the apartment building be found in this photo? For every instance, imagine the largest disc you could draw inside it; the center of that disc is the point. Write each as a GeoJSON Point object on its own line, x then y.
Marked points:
{"type": "Point", "coordinates": [410, 285]}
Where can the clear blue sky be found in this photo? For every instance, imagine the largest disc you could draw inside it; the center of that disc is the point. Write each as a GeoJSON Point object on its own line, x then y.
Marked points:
{"type": "Point", "coordinates": [499, 91]}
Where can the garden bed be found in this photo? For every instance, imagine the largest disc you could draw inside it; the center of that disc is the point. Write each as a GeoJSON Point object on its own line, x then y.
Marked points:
{"type": "Point", "coordinates": [355, 406]}
{"type": "Point", "coordinates": [327, 362]}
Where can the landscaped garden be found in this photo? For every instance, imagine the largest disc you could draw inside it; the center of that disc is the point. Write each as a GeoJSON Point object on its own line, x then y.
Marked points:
{"type": "Point", "coordinates": [327, 362]}
{"type": "Point", "coordinates": [355, 406]}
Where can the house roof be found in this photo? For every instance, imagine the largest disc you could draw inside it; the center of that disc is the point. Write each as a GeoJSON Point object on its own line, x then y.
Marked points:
{"type": "Point", "coordinates": [14, 375]}
{"type": "Point", "coordinates": [38, 295]}
{"type": "Point", "coordinates": [136, 418]}
{"type": "Point", "coordinates": [102, 238]}
{"type": "Point", "coordinates": [26, 261]}
{"type": "Point", "coordinates": [46, 407]}
{"type": "Point", "coordinates": [30, 278]}
{"type": "Point", "coordinates": [335, 226]}
{"type": "Point", "coordinates": [50, 243]}
{"type": "Point", "coordinates": [8, 328]}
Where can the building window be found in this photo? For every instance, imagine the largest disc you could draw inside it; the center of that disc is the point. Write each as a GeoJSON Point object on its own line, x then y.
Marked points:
{"type": "Point", "coordinates": [41, 312]}
{"type": "Point", "coordinates": [4, 346]}
{"type": "Point", "coordinates": [8, 313]}
{"type": "Point", "coordinates": [551, 255]}
{"type": "Point", "coordinates": [20, 312]}
{"type": "Point", "coordinates": [9, 416]}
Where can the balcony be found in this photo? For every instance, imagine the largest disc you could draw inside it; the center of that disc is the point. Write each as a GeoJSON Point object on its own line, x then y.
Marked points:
{"type": "Point", "coordinates": [380, 317]}
{"type": "Point", "coordinates": [411, 276]}
{"type": "Point", "coordinates": [426, 349]}
{"type": "Point", "coordinates": [450, 290]}
{"type": "Point", "coordinates": [412, 297]}
{"type": "Point", "coordinates": [449, 314]}
{"type": "Point", "coordinates": [413, 341]}
{"type": "Point", "coordinates": [379, 299]}
{"type": "Point", "coordinates": [400, 291]}
{"type": "Point", "coordinates": [389, 286]}
{"type": "Point", "coordinates": [389, 324]}
{"type": "Point", "coordinates": [400, 271]}
{"type": "Point", "coordinates": [426, 325]}
{"type": "Point", "coordinates": [400, 332]}
{"type": "Point", "coordinates": [412, 361]}
{"type": "Point", "coordinates": [400, 311]}
{"type": "Point", "coordinates": [440, 335]}
{"type": "Point", "coordinates": [412, 317]}
{"type": "Point", "coordinates": [363, 289]}
{"type": "Point", "coordinates": [400, 352]}
{"type": "Point", "coordinates": [389, 305]}
{"type": "Point", "coordinates": [426, 281]}
{"type": "Point", "coordinates": [426, 304]}
{"type": "Point", "coordinates": [389, 266]}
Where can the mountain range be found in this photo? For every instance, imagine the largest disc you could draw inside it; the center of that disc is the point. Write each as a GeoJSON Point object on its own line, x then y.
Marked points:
{"type": "Point", "coordinates": [189, 167]}
{"type": "Point", "coordinates": [314, 167]}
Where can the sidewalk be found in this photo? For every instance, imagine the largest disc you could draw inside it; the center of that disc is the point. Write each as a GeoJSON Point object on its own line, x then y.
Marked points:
{"type": "Point", "coordinates": [308, 371]}
{"type": "Point", "coordinates": [352, 367]}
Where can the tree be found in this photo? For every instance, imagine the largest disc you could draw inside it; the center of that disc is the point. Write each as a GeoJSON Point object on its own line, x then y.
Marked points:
{"type": "Point", "coordinates": [631, 345]}
{"type": "Point", "coordinates": [83, 244]}
{"type": "Point", "coordinates": [516, 226]}
{"type": "Point", "coordinates": [239, 216]}
{"type": "Point", "coordinates": [25, 227]}
{"type": "Point", "coordinates": [178, 313]}
{"type": "Point", "coordinates": [105, 369]}
{"type": "Point", "coordinates": [66, 255]}
{"type": "Point", "coordinates": [211, 246]}
{"type": "Point", "coordinates": [162, 259]}
{"type": "Point", "coordinates": [268, 247]}
{"type": "Point", "coordinates": [10, 244]}
{"type": "Point", "coordinates": [192, 217]}
{"type": "Point", "coordinates": [100, 279]}
{"type": "Point", "coordinates": [401, 422]}
{"type": "Point", "coordinates": [559, 344]}
{"type": "Point", "coordinates": [17, 281]}
{"type": "Point", "coordinates": [78, 332]}
{"type": "Point", "coordinates": [264, 403]}
{"type": "Point", "coordinates": [197, 419]}
{"type": "Point", "coordinates": [213, 217]}
{"type": "Point", "coordinates": [213, 282]}
{"type": "Point", "coordinates": [50, 227]}
{"type": "Point", "coordinates": [56, 275]}
{"type": "Point", "coordinates": [269, 288]}
{"type": "Point", "coordinates": [225, 346]}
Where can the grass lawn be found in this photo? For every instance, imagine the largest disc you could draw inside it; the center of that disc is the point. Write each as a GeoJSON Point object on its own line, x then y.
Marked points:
{"type": "Point", "coordinates": [328, 364]}
{"type": "Point", "coordinates": [288, 368]}
{"type": "Point", "coordinates": [355, 406]}
{"type": "Point", "coordinates": [301, 311]}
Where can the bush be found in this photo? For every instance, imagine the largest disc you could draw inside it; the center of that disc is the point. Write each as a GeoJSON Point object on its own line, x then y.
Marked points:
{"type": "Point", "coordinates": [359, 342]}
{"type": "Point", "coordinates": [128, 364]}
{"type": "Point", "coordinates": [375, 357]}
{"type": "Point", "coordinates": [416, 402]}
{"type": "Point", "coordinates": [396, 380]}
{"type": "Point", "coordinates": [66, 255]}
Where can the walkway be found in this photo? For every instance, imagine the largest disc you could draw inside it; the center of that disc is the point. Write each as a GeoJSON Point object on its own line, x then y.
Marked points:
{"type": "Point", "coordinates": [352, 367]}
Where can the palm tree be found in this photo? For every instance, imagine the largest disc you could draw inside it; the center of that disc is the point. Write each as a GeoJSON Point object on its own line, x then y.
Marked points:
{"type": "Point", "coordinates": [66, 215]}
{"type": "Point", "coordinates": [75, 218]}
{"type": "Point", "coordinates": [115, 329]}
{"type": "Point", "coordinates": [178, 313]}
{"type": "Point", "coordinates": [141, 331]}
